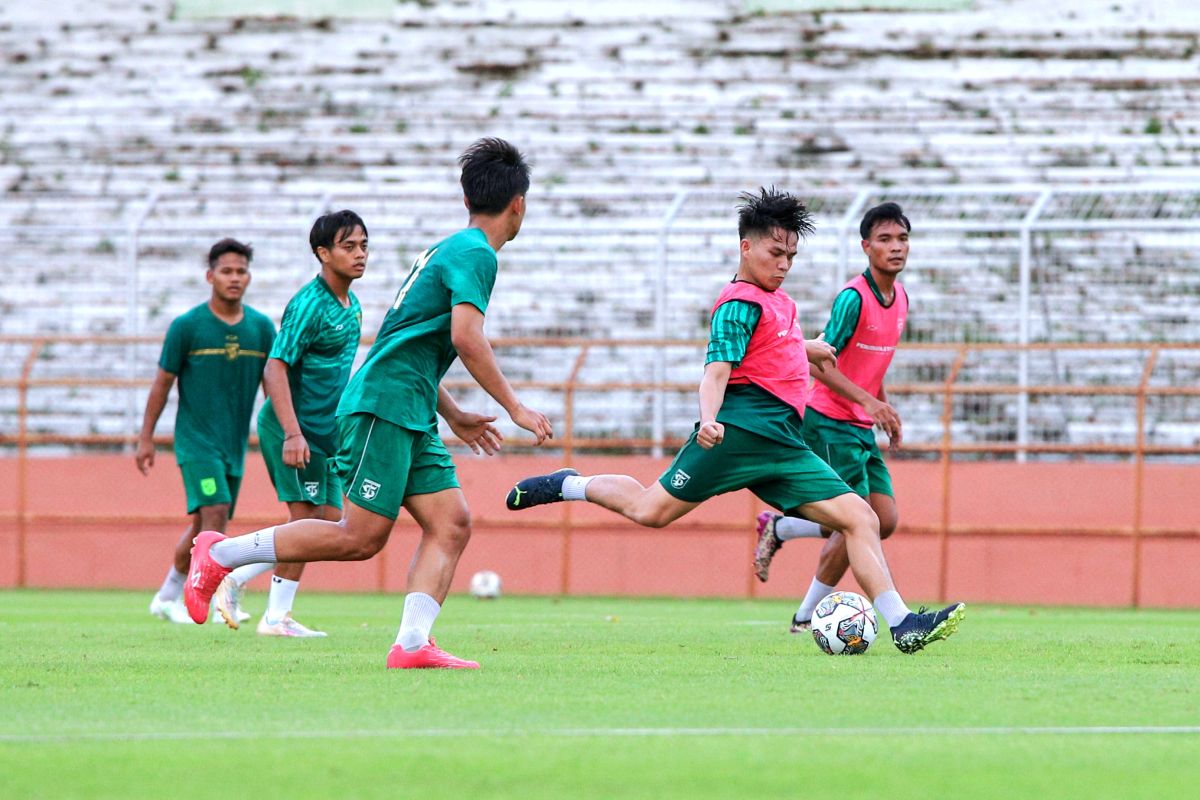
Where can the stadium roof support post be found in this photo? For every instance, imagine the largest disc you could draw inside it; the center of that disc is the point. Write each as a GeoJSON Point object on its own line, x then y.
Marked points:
{"type": "Point", "coordinates": [133, 318]}
{"type": "Point", "coordinates": [660, 320]}
{"type": "Point", "coordinates": [845, 226]}
{"type": "Point", "coordinates": [1025, 277]}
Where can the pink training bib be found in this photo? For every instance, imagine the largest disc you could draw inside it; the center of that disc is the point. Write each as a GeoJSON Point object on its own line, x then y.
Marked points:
{"type": "Point", "coordinates": [775, 360]}
{"type": "Point", "coordinates": [866, 357]}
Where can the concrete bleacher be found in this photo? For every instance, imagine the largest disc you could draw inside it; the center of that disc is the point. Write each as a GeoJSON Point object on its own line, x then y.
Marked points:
{"type": "Point", "coordinates": [240, 126]}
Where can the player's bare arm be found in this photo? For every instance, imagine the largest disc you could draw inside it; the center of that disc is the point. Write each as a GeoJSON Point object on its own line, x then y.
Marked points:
{"type": "Point", "coordinates": [476, 430]}
{"type": "Point", "coordinates": [886, 417]}
{"type": "Point", "coordinates": [893, 441]}
{"type": "Point", "coordinates": [275, 382]}
{"type": "Point", "coordinates": [155, 403]}
{"type": "Point", "coordinates": [712, 396]}
{"type": "Point", "coordinates": [466, 334]}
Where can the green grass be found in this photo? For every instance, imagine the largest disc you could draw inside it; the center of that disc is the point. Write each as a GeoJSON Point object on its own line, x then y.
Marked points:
{"type": "Point", "coordinates": [590, 698]}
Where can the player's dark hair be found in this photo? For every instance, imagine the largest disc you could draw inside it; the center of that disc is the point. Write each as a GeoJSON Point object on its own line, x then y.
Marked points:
{"type": "Point", "coordinates": [331, 228]}
{"type": "Point", "coordinates": [884, 212]}
{"type": "Point", "coordinates": [759, 214]}
{"type": "Point", "coordinates": [493, 173]}
{"type": "Point", "coordinates": [229, 246]}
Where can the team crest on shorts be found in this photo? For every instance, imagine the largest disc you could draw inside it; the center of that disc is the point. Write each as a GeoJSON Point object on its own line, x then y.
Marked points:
{"type": "Point", "coordinates": [679, 479]}
{"type": "Point", "coordinates": [369, 489]}
{"type": "Point", "coordinates": [312, 487]}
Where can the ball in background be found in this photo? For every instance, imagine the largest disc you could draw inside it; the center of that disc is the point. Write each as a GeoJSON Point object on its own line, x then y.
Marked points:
{"type": "Point", "coordinates": [485, 585]}
{"type": "Point", "coordinates": [844, 623]}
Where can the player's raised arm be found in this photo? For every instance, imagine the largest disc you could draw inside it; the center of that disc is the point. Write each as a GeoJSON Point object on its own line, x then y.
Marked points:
{"type": "Point", "coordinates": [712, 396]}
{"type": "Point", "coordinates": [466, 334]}
{"type": "Point", "coordinates": [155, 403]}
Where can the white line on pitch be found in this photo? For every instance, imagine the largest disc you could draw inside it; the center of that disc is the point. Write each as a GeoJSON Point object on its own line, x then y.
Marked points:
{"type": "Point", "coordinates": [1015, 730]}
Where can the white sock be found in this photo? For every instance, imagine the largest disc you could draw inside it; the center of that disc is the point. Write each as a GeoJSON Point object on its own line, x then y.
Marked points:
{"type": "Point", "coordinates": [420, 610]}
{"type": "Point", "coordinates": [816, 593]}
{"type": "Point", "coordinates": [892, 607]}
{"type": "Point", "coordinates": [253, 548]}
{"type": "Point", "coordinates": [575, 487]}
{"type": "Point", "coordinates": [172, 588]}
{"type": "Point", "coordinates": [279, 602]}
{"type": "Point", "coordinates": [244, 575]}
{"type": "Point", "coordinates": [795, 528]}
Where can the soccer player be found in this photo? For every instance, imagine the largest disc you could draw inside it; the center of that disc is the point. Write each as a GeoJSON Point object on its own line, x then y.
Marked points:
{"type": "Point", "coordinates": [752, 399]}
{"type": "Point", "coordinates": [217, 351]}
{"type": "Point", "coordinates": [864, 327]}
{"type": "Point", "coordinates": [308, 368]}
{"type": "Point", "coordinates": [390, 454]}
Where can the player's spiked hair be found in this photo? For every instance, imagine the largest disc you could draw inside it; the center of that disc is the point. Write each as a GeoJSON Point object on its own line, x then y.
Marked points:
{"type": "Point", "coordinates": [493, 173]}
{"type": "Point", "coordinates": [229, 246]}
{"type": "Point", "coordinates": [331, 228]}
{"type": "Point", "coordinates": [884, 212]}
{"type": "Point", "coordinates": [771, 208]}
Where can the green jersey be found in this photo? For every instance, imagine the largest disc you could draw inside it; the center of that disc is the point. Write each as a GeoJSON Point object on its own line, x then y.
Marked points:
{"type": "Point", "coordinates": [219, 367]}
{"type": "Point", "coordinates": [399, 380]}
{"type": "Point", "coordinates": [317, 339]}
{"type": "Point", "coordinates": [746, 405]}
{"type": "Point", "coordinates": [843, 317]}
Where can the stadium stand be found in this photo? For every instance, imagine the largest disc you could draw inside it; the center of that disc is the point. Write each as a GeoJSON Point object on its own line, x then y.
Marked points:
{"type": "Point", "coordinates": [120, 116]}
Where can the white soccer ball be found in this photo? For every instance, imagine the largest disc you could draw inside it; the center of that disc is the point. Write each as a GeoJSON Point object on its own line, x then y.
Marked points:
{"type": "Point", "coordinates": [485, 585]}
{"type": "Point", "coordinates": [844, 623]}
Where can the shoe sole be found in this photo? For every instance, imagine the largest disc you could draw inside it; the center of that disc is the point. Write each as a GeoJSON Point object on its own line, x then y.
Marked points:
{"type": "Point", "coordinates": [762, 565]}
{"type": "Point", "coordinates": [230, 620]}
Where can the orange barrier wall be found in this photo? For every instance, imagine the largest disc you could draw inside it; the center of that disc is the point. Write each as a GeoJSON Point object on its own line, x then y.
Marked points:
{"type": "Point", "coordinates": [1053, 533]}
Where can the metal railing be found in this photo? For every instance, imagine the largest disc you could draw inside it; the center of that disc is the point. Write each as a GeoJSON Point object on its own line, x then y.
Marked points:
{"type": "Point", "coordinates": [945, 449]}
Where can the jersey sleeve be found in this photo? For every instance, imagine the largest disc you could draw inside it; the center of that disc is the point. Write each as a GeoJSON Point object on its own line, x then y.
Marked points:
{"type": "Point", "coordinates": [733, 324]}
{"type": "Point", "coordinates": [297, 329]}
{"type": "Point", "coordinates": [470, 277]}
{"type": "Point", "coordinates": [843, 318]}
{"type": "Point", "coordinates": [175, 347]}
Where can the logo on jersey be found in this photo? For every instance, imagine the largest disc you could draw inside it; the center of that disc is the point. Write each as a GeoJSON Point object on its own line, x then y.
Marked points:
{"type": "Point", "coordinates": [369, 489]}
{"type": "Point", "coordinates": [231, 347]}
{"type": "Point", "coordinates": [679, 479]}
{"type": "Point", "coordinates": [312, 487]}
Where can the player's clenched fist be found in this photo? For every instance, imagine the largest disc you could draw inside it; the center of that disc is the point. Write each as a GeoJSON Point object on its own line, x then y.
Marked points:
{"type": "Point", "coordinates": [710, 435]}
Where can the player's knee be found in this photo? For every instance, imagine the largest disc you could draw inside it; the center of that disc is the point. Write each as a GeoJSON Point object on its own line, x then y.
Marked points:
{"type": "Point", "coordinates": [651, 517]}
{"type": "Point", "coordinates": [214, 518]}
{"type": "Point", "coordinates": [456, 532]}
{"type": "Point", "coordinates": [886, 528]}
{"type": "Point", "coordinates": [860, 520]}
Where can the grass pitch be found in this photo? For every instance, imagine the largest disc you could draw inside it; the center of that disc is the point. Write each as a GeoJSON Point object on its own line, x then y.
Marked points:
{"type": "Point", "coordinates": [591, 698]}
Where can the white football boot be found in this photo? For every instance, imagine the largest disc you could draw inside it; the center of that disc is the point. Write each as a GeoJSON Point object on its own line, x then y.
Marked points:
{"type": "Point", "coordinates": [170, 611]}
{"type": "Point", "coordinates": [286, 627]}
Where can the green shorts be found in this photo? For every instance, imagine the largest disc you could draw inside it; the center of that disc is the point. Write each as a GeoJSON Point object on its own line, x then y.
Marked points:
{"type": "Point", "coordinates": [208, 483]}
{"type": "Point", "coordinates": [381, 463]}
{"type": "Point", "coordinates": [785, 477]}
{"type": "Point", "coordinates": [317, 483]}
{"type": "Point", "coordinates": [851, 451]}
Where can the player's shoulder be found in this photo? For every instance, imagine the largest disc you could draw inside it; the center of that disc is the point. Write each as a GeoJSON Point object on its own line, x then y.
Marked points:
{"type": "Point", "coordinates": [190, 318]}
{"type": "Point", "coordinates": [467, 242]}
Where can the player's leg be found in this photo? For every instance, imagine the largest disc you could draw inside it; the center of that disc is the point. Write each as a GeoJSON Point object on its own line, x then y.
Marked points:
{"type": "Point", "coordinates": [167, 603]}
{"type": "Point", "coordinates": [852, 516]}
{"type": "Point", "coordinates": [695, 475]}
{"type": "Point", "coordinates": [277, 619]}
{"type": "Point", "coordinates": [209, 500]}
{"type": "Point", "coordinates": [863, 468]}
{"type": "Point", "coordinates": [439, 507]}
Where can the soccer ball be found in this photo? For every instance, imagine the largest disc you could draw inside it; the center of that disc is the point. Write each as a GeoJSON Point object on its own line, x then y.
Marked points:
{"type": "Point", "coordinates": [485, 585]}
{"type": "Point", "coordinates": [844, 623]}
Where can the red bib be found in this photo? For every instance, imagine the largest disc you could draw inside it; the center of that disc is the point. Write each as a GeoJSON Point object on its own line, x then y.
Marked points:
{"type": "Point", "coordinates": [775, 360]}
